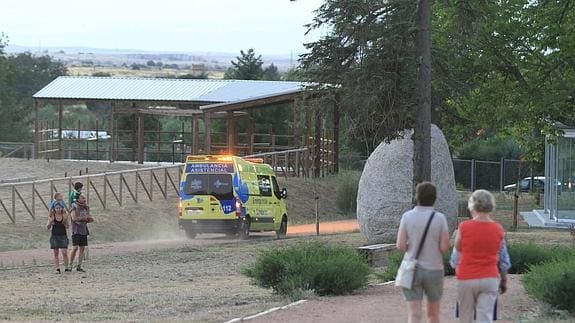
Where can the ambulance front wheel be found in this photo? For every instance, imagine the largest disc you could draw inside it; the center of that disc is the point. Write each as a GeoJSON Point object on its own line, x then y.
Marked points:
{"type": "Point", "coordinates": [191, 234]}
{"type": "Point", "coordinates": [245, 228]}
{"type": "Point", "coordinates": [282, 231]}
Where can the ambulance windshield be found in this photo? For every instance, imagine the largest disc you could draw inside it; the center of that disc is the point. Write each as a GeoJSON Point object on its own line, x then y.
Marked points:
{"type": "Point", "coordinates": [218, 185]}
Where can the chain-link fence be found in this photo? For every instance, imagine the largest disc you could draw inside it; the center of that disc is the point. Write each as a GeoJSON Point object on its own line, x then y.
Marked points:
{"type": "Point", "coordinates": [490, 175]}
{"type": "Point", "coordinates": [470, 174]}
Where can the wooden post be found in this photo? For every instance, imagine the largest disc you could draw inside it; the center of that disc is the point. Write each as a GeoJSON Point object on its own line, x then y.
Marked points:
{"type": "Point", "coordinates": [88, 190]}
{"type": "Point", "coordinates": [250, 135]}
{"type": "Point", "coordinates": [79, 142]}
{"type": "Point", "coordinates": [307, 119]}
{"type": "Point", "coordinates": [14, 203]}
{"type": "Point", "coordinates": [36, 130]}
{"type": "Point", "coordinates": [105, 190]}
{"type": "Point", "coordinates": [196, 135]}
{"type": "Point", "coordinates": [117, 140]}
{"type": "Point", "coordinates": [135, 134]}
{"type": "Point", "coordinates": [296, 126]}
{"type": "Point", "coordinates": [151, 184]}
{"type": "Point", "coordinates": [97, 138]}
{"type": "Point", "coordinates": [296, 164]}
{"type": "Point", "coordinates": [60, 120]}
{"type": "Point", "coordinates": [159, 143]}
{"type": "Point", "coordinates": [140, 131]}
{"type": "Point", "coordinates": [208, 137]}
{"type": "Point", "coordinates": [515, 209]}
{"type": "Point", "coordinates": [121, 188]}
{"type": "Point", "coordinates": [336, 134]}
{"type": "Point", "coordinates": [231, 132]}
{"type": "Point", "coordinates": [316, 214]}
{"type": "Point", "coordinates": [324, 152]}
{"type": "Point", "coordinates": [112, 134]}
{"type": "Point", "coordinates": [317, 144]}
{"type": "Point", "coordinates": [274, 156]}
{"type": "Point", "coordinates": [33, 199]}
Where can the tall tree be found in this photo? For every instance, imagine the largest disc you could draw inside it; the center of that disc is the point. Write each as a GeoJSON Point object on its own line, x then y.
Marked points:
{"type": "Point", "coordinates": [271, 73]}
{"type": "Point", "coordinates": [370, 55]}
{"type": "Point", "coordinates": [506, 67]}
{"type": "Point", "coordinates": [422, 126]}
{"type": "Point", "coordinates": [20, 77]}
{"type": "Point", "coordinates": [247, 67]}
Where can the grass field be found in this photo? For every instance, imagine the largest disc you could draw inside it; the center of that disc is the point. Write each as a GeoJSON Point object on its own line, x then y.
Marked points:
{"type": "Point", "coordinates": [127, 71]}
{"type": "Point", "coordinates": [155, 219]}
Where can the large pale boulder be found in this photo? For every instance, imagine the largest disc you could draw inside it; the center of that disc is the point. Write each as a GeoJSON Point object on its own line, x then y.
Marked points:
{"type": "Point", "coordinates": [385, 187]}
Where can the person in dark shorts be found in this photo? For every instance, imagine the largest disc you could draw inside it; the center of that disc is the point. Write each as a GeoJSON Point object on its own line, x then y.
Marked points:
{"type": "Point", "coordinates": [58, 225]}
{"type": "Point", "coordinates": [80, 213]}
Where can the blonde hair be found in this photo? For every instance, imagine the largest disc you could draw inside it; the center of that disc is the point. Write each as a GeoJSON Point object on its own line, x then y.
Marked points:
{"type": "Point", "coordinates": [481, 201]}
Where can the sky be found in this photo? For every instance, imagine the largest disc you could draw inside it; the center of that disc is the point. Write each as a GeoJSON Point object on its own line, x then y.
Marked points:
{"type": "Point", "coordinates": [273, 27]}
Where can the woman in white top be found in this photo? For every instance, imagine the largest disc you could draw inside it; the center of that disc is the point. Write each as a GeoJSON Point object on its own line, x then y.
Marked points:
{"type": "Point", "coordinates": [428, 277]}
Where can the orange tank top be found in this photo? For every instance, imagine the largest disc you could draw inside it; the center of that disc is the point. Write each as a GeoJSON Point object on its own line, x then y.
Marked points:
{"type": "Point", "coordinates": [480, 244]}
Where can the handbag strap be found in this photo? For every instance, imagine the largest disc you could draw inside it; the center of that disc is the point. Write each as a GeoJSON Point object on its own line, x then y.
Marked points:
{"type": "Point", "coordinates": [424, 235]}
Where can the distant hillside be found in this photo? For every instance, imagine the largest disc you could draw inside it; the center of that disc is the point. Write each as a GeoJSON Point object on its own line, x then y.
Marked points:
{"type": "Point", "coordinates": [101, 57]}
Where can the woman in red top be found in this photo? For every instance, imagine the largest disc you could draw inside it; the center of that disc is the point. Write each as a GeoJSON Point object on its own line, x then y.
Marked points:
{"type": "Point", "coordinates": [478, 240]}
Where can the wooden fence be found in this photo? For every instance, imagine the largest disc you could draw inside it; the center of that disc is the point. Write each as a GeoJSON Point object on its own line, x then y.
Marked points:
{"type": "Point", "coordinates": [131, 186]}
{"type": "Point", "coordinates": [108, 189]}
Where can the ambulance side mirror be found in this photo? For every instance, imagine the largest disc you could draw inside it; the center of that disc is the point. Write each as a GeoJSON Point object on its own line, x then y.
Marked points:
{"type": "Point", "coordinates": [283, 193]}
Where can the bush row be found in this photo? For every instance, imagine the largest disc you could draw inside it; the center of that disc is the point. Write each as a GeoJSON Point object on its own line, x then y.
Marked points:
{"type": "Point", "coordinates": [549, 272]}
{"type": "Point", "coordinates": [310, 267]}
{"type": "Point", "coordinates": [334, 270]}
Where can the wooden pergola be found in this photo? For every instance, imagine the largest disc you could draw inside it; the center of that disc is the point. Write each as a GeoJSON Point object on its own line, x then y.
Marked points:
{"type": "Point", "coordinates": [202, 100]}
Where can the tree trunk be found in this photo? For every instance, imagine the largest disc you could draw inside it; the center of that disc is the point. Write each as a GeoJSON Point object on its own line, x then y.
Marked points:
{"type": "Point", "coordinates": [422, 128]}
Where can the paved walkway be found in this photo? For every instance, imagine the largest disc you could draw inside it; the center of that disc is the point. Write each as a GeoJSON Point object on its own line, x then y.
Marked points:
{"type": "Point", "coordinates": [386, 304]}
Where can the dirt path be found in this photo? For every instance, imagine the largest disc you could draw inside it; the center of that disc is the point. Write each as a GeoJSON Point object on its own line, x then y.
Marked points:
{"type": "Point", "coordinates": [386, 304]}
{"type": "Point", "coordinates": [21, 258]}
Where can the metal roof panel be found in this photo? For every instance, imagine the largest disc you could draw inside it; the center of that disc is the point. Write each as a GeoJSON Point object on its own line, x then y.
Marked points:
{"type": "Point", "coordinates": [159, 89]}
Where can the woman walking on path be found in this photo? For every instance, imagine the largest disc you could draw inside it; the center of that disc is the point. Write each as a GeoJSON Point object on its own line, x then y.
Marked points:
{"type": "Point", "coordinates": [58, 225]}
{"type": "Point", "coordinates": [479, 242]}
{"type": "Point", "coordinates": [428, 277]}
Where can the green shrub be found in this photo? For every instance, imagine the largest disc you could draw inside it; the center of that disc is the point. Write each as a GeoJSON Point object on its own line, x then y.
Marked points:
{"type": "Point", "coordinates": [525, 255]}
{"type": "Point", "coordinates": [346, 192]}
{"type": "Point", "coordinates": [393, 261]}
{"type": "Point", "coordinates": [553, 283]}
{"type": "Point", "coordinates": [314, 266]}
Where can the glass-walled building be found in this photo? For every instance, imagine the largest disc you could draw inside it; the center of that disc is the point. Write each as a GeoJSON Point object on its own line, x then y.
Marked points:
{"type": "Point", "coordinates": [559, 203]}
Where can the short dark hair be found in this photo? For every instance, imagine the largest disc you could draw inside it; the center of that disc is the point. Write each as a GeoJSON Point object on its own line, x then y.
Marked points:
{"type": "Point", "coordinates": [78, 186]}
{"type": "Point", "coordinates": [425, 194]}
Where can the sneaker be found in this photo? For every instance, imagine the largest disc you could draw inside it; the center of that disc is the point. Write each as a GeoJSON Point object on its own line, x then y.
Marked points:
{"type": "Point", "coordinates": [67, 269]}
{"type": "Point", "coordinates": [80, 269]}
{"type": "Point", "coordinates": [58, 271]}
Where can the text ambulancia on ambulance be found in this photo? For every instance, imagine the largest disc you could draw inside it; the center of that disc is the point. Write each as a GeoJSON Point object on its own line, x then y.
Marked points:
{"type": "Point", "coordinates": [231, 195]}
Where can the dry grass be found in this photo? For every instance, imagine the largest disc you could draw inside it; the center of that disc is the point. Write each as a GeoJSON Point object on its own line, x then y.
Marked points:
{"type": "Point", "coordinates": [121, 71]}
{"type": "Point", "coordinates": [197, 281]}
{"type": "Point", "coordinates": [145, 220]}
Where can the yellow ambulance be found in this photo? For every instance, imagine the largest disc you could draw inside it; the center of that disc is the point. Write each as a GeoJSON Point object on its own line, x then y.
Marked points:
{"type": "Point", "coordinates": [232, 195]}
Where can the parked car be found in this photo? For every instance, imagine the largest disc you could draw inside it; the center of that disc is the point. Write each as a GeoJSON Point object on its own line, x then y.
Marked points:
{"type": "Point", "coordinates": [525, 184]}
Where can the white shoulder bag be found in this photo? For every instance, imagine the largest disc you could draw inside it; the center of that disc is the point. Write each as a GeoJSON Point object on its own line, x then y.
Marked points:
{"type": "Point", "coordinates": [406, 271]}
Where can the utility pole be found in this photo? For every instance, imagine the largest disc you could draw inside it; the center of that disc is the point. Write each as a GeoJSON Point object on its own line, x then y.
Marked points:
{"type": "Point", "coordinates": [422, 127]}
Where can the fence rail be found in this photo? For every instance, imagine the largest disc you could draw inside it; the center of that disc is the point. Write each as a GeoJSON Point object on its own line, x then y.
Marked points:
{"type": "Point", "coordinates": [104, 189]}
